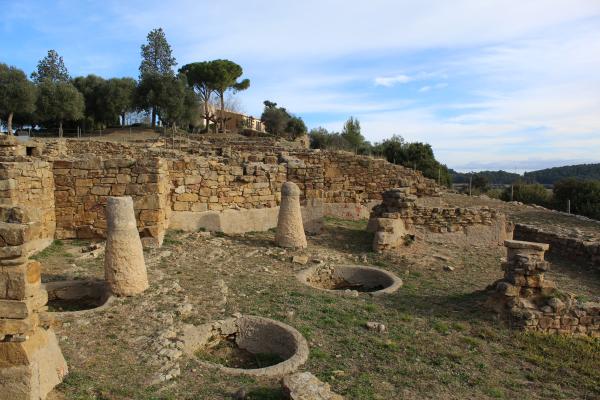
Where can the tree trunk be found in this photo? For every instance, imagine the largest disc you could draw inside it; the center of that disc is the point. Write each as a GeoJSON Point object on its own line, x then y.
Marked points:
{"type": "Point", "coordinates": [153, 117]}
{"type": "Point", "coordinates": [123, 120]}
{"type": "Point", "coordinates": [206, 116]}
{"type": "Point", "coordinates": [222, 112]}
{"type": "Point", "coordinates": [9, 123]}
{"type": "Point", "coordinates": [60, 131]}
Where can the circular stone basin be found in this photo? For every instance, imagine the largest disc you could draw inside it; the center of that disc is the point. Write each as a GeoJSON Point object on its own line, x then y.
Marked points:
{"type": "Point", "coordinates": [247, 345]}
{"type": "Point", "coordinates": [351, 279]}
{"type": "Point", "coordinates": [77, 296]}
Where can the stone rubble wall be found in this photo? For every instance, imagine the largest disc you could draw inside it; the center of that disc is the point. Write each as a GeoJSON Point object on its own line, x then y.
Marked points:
{"type": "Point", "coordinates": [342, 177]}
{"type": "Point", "coordinates": [82, 188]}
{"type": "Point", "coordinates": [28, 185]}
{"type": "Point", "coordinates": [527, 301]}
{"type": "Point", "coordinates": [201, 184]}
{"type": "Point", "coordinates": [399, 216]}
{"type": "Point", "coordinates": [568, 247]}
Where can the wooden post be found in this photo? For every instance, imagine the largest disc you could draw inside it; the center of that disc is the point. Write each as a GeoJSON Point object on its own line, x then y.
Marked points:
{"type": "Point", "coordinates": [568, 206]}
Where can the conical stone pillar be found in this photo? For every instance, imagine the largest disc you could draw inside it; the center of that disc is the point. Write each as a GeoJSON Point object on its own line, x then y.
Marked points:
{"type": "Point", "coordinates": [290, 230]}
{"type": "Point", "coordinates": [124, 266]}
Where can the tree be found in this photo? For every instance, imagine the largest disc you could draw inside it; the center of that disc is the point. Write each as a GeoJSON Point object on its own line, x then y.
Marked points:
{"type": "Point", "coordinates": [275, 118]}
{"type": "Point", "coordinates": [156, 60]}
{"type": "Point", "coordinates": [52, 67]}
{"type": "Point", "coordinates": [320, 138]}
{"type": "Point", "coordinates": [414, 155]}
{"type": "Point", "coordinates": [95, 94]}
{"type": "Point", "coordinates": [226, 74]}
{"type": "Point", "coordinates": [480, 182]}
{"type": "Point", "coordinates": [17, 94]}
{"type": "Point", "coordinates": [120, 97]}
{"type": "Point", "coordinates": [59, 101]}
{"type": "Point", "coordinates": [526, 193]}
{"type": "Point", "coordinates": [583, 195]}
{"type": "Point", "coordinates": [201, 76]}
{"type": "Point", "coordinates": [351, 132]}
{"type": "Point", "coordinates": [295, 127]}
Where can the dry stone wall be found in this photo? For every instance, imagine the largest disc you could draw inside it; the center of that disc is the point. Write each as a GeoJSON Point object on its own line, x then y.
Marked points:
{"type": "Point", "coordinates": [83, 186]}
{"type": "Point", "coordinates": [528, 301]}
{"type": "Point", "coordinates": [201, 184]}
{"type": "Point", "coordinates": [29, 185]}
{"type": "Point", "coordinates": [398, 216]}
{"type": "Point", "coordinates": [574, 248]}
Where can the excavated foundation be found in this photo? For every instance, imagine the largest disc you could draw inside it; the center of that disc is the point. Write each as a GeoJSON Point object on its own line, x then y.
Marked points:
{"type": "Point", "coordinates": [247, 345]}
{"type": "Point", "coordinates": [351, 279]}
{"type": "Point", "coordinates": [77, 296]}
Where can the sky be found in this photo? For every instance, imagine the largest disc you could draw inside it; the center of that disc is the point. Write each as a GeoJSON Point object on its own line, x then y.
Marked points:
{"type": "Point", "coordinates": [511, 84]}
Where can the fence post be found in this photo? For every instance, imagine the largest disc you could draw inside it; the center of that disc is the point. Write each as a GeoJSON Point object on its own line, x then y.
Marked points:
{"type": "Point", "coordinates": [568, 206]}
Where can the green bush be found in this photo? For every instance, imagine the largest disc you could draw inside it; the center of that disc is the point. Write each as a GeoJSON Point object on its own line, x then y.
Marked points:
{"type": "Point", "coordinates": [528, 194]}
{"type": "Point", "coordinates": [584, 197]}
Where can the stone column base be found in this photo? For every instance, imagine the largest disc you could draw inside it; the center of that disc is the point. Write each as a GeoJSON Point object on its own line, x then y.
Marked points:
{"type": "Point", "coordinates": [29, 370]}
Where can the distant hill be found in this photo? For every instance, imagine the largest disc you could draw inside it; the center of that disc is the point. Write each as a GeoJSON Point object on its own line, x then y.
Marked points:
{"type": "Point", "coordinates": [544, 176]}
{"type": "Point", "coordinates": [550, 175]}
{"type": "Point", "coordinates": [493, 177]}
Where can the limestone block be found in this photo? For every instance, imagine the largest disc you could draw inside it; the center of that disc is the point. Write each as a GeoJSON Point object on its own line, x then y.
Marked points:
{"type": "Point", "coordinates": [19, 282]}
{"type": "Point", "coordinates": [290, 230]}
{"type": "Point", "coordinates": [124, 266]}
{"type": "Point", "coordinates": [29, 370]}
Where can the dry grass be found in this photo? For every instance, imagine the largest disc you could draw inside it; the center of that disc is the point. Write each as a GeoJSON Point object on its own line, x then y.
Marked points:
{"type": "Point", "coordinates": [440, 343]}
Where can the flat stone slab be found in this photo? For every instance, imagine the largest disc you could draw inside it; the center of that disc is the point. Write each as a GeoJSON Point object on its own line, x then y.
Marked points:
{"type": "Point", "coordinates": [520, 244]}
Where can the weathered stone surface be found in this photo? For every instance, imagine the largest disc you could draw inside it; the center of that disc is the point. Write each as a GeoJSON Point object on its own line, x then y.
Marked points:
{"type": "Point", "coordinates": [290, 230]}
{"type": "Point", "coordinates": [306, 386]}
{"type": "Point", "coordinates": [29, 370]}
{"type": "Point", "coordinates": [124, 266]}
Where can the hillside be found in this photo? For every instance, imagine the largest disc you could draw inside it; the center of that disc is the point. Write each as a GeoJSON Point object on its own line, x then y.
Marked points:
{"type": "Point", "coordinates": [550, 175]}
{"type": "Point", "coordinates": [493, 177]}
{"type": "Point", "coordinates": [546, 176]}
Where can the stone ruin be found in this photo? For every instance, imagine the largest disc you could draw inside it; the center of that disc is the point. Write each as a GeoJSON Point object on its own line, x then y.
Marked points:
{"type": "Point", "coordinates": [31, 362]}
{"type": "Point", "coordinates": [124, 266]}
{"type": "Point", "coordinates": [526, 300]}
{"type": "Point", "coordinates": [398, 220]}
{"type": "Point", "coordinates": [290, 230]}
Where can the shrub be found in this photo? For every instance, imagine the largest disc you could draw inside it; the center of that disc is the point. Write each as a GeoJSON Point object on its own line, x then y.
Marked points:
{"type": "Point", "coordinates": [584, 196]}
{"type": "Point", "coordinates": [527, 193]}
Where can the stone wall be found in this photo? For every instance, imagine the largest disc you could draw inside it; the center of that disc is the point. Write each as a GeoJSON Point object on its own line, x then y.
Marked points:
{"type": "Point", "coordinates": [341, 177]}
{"type": "Point", "coordinates": [31, 362]}
{"type": "Point", "coordinates": [201, 184]}
{"type": "Point", "coordinates": [29, 185]}
{"type": "Point", "coordinates": [82, 188]}
{"type": "Point", "coordinates": [398, 216]}
{"type": "Point", "coordinates": [564, 246]}
{"type": "Point", "coordinates": [526, 300]}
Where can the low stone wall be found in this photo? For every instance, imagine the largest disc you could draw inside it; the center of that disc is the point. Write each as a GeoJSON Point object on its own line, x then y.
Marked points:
{"type": "Point", "coordinates": [569, 247]}
{"type": "Point", "coordinates": [82, 188]}
{"type": "Point", "coordinates": [398, 216]}
{"type": "Point", "coordinates": [527, 301]}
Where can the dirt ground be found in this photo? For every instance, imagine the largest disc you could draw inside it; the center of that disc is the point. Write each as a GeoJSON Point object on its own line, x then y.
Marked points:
{"type": "Point", "coordinates": [440, 342]}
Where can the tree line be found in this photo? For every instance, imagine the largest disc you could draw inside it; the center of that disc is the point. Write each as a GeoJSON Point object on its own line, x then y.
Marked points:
{"type": "Point", "coordinates": [51, 97]}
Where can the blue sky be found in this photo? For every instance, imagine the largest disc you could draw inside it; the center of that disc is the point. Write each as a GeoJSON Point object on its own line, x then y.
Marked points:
{"type": "Point", "coordinates": [489, 84]}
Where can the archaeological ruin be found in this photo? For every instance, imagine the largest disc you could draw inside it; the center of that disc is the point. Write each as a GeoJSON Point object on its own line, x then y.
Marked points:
{"type": "Point", "coordinates": [133, 196]}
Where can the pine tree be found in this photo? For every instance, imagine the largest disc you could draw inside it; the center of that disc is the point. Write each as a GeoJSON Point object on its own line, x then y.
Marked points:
{"type": "Point", "coordinates": [52, 67]}
{"type": "Point", "coordinates": [157, 59]}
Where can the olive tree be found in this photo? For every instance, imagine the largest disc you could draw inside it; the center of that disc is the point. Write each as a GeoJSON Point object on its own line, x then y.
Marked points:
{"type": "Point", "coordinates": [17, 94]}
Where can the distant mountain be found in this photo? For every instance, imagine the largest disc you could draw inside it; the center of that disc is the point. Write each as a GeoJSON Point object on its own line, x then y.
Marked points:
{"type": "Point", "coordinates": [493, 177]}
{"type": "Point", "coordinates": [544, 176]}
{"type": "Point", "coordinates": [550, 175]}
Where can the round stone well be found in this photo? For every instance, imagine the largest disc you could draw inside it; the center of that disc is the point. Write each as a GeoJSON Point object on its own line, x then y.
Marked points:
{"type": "Point", "coordinates": [77, 296]}
{"type": "Point", "coordinates": [350, 279]}
{"type": "Point", "coordinates": [246, 345]}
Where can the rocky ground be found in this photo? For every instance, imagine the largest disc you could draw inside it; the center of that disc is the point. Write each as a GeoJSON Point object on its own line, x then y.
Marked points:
{"type": "Point", "coordinates": [438, 341]}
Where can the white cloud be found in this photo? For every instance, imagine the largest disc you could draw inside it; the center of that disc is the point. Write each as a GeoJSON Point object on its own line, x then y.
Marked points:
{"type": "Point", "coordinates": [389, 81]}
